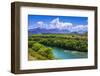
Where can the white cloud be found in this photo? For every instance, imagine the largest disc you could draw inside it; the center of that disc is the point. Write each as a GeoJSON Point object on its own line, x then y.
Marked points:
{"type": "Point", "coordinates": [55, 21]}
{"type": "Point", "coordinates": [57, 24]}
{"type": "Point", "coordinates": [40, 24]}
{"type": "Point", "coordinates": [79, 28]}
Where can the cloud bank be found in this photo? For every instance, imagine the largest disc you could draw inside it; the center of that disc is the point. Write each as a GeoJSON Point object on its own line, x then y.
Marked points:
{"type": "Point", "coordinates": [57, 24]}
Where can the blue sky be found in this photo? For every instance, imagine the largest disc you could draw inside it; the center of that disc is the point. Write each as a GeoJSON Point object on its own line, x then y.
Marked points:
{"type": "Point", "coordinates": [61, 22]}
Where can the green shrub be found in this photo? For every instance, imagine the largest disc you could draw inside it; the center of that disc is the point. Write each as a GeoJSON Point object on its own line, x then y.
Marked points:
{"type": "Point", "coordinates": [36, 46]}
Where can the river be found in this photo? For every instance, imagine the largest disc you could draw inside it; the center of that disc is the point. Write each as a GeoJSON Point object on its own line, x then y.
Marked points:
{"type": "Point", "coordinates": [60, 53]}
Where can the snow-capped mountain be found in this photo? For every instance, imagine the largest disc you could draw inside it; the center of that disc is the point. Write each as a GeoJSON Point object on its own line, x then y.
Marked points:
{"type": "Point", "coordinates": [56, 26]}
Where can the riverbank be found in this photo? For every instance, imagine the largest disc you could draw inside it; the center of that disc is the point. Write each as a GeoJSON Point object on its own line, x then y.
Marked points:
{"type": "Point", "coordinates": [71, 42]}
{"type": "Point", "coordinates": [66, 41]}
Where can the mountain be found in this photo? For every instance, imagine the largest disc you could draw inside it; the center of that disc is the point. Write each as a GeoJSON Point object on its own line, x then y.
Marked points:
{"type": "Point", "coordinates": [60, 31]}
{"type": "Point", "coordinates": [57, 26]}
{"type": "Point", "coordinates": [43, 30]}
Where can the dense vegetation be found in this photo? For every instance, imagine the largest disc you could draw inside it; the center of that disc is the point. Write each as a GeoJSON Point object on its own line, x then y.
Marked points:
{"type": "Point", "coordinates": [39, 51]}
{"type": "Point", "coordinates": [37, 44]}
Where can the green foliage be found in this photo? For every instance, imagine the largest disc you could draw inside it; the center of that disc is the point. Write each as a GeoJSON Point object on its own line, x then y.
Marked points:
{"type": "Point", "coordinates": [37, 44]}
{"type": "Point", "coordinates": [30, 43]}
{"type": "Point", "coordinates": [36, 55]}
{"type": "Point", "coordinates": [47, 52]}
{"type": "Point", "coordinates": [66, 41]}
{"type": "Point", "coordinates": [39, 51]}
